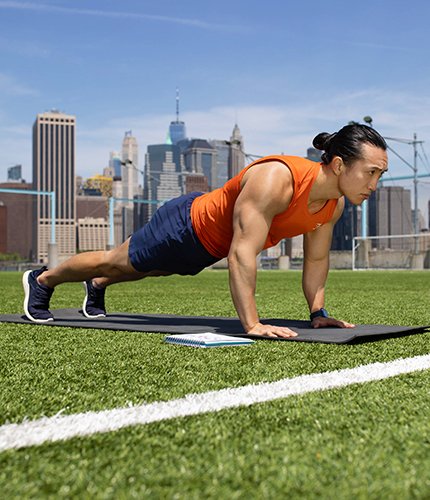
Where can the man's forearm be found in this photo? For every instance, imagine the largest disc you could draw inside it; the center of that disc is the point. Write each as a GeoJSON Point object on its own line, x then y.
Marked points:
{"type": "Point", "coordinates": [313, 282]}
{"type": "Point", "coordinates": [243, 275]}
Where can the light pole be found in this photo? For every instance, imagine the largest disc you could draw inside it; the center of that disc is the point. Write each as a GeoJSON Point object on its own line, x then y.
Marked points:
{"type": "Point", "coordinates": [414, 143]}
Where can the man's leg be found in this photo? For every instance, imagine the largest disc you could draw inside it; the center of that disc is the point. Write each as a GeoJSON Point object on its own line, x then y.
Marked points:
{"type": "Point", "coordinates": [109, 267]}
{"type": "Point", "coordinates": [94, 301]}
{"type": "Point", "coordinates": [113, 266]}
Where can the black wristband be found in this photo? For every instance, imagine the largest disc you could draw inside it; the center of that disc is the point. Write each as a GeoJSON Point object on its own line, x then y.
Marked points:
{"type": "Point", "coordinates": [320, 313]}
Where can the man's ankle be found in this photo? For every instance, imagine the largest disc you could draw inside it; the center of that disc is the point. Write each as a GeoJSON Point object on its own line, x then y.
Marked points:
{"type": "Point", "coordinates": [96, 285]}
{"type": "Point", "coordinates": [41, 280]}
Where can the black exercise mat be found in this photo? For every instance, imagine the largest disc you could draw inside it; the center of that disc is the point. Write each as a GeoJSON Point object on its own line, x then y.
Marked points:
{"type": "Point", "coordinates": [165, 323]}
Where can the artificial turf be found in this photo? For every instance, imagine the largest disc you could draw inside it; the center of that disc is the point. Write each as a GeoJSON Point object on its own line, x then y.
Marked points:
{"type": "Point", "coordinates": [368, 441]}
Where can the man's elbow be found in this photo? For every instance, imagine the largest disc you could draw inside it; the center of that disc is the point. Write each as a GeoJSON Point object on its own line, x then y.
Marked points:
{"type": "Point", "coordinates": [240, 256]}
{"type": "Point", "coordinates": [234, 258]}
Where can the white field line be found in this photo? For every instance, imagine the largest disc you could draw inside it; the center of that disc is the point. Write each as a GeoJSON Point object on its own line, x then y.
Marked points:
{"type": "Point", "coordinates": [59, 428]}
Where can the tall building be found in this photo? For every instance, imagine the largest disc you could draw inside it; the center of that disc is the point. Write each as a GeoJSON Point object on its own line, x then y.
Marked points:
{"type": "Point", "coordinates": [195, 182]}
{"type": "Point", "coordinates": [92, 215]}
{"type": "Point", "coordinates": [177, 131]}
{"type": "Point", "coordinates": [236, 160]}
{"type": "Point", "coordinates": [93, 233]}
{"type": "Point", "coordinates": [114, 168]}
{"type": "Point", "coordinates": [115, 164]}
{"type": "Point", "coordinates": [163, 175]}
{"type": "Point", "coordinates": [221, 169]}
{"type": "Point", "coordinates": [54, 170]}
{"type": "Point", "coordinates": [16, 229]}
{"type": "Point", "coordinates": [130, 168]}
{"type": "Point", "coordinates": [92, 206]}
{"type": "Point", "coordinates": [390, 214]}
{"type": "Point", "coordinates": [130, 183]}
{"type": "Point", "coordinates": [140, 213]}
{"type": "Point", "coordinates": [200, 157]}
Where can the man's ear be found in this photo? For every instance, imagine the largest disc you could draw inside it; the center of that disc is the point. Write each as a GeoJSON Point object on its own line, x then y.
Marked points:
{"type": "Point", "coordinates": [337, 165]}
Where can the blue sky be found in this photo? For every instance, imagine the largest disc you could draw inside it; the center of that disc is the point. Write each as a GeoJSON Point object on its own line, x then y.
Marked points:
{"type": "Point", "coordinates": [284, 70]}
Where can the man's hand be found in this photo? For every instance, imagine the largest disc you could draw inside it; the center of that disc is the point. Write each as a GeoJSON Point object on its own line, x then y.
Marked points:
{"type": "Point", "coordinates": [320, 322]}
{"type": "Point", "coordinates": [271, 331]}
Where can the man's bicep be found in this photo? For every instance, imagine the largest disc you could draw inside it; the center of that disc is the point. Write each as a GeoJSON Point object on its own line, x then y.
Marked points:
{"type": "Point", "coordinates": [250, 226]}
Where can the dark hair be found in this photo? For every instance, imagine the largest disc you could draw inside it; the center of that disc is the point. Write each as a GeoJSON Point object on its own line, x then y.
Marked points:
{"type": "Point", "coordinates": [347, 143]}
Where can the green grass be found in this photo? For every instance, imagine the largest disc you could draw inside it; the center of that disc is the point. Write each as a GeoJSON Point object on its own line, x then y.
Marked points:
{"type": "Point", "coordinates": [367, 441]}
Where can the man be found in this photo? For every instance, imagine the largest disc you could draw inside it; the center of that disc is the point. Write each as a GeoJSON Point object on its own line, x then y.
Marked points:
{"type": "Point", "coordinates": [271, 199]}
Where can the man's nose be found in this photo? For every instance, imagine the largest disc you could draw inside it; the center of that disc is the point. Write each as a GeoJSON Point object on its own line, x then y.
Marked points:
{"type": "Point", "coordinates": [373, 185]}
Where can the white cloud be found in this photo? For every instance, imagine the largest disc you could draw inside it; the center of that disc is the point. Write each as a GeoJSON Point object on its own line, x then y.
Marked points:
{"type": "Point", "coordinates": [270, 129]}
{"type": "Point", "coordinates": [196, 23]}
{"type": "Point", "coordinates": [287, 129]}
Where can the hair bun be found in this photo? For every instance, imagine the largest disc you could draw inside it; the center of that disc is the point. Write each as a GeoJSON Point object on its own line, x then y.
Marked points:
{"type": "Point", "coordinates": [322, 141]}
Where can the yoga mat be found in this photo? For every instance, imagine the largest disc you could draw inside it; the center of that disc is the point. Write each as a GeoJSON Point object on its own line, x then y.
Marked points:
{"type": "Point", "coordinates": [159, 323]}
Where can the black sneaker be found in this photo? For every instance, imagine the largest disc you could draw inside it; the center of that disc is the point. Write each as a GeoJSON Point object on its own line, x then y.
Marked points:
{"type": "Point", "coordinates": [37, 297]}
{"type": "Point", "coordinates": [94, 302]}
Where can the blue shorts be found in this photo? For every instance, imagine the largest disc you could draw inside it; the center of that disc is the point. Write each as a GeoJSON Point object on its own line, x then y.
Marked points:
{"type": "Point", "coordinates": [168, 241]}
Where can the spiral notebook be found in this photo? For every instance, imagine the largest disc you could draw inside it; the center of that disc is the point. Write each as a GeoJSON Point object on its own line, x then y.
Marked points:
{"type": "Point", "coordinates": [207, 340]}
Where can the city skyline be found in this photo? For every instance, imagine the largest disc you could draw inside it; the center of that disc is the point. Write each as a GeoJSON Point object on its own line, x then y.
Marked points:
{"type": "Point", "coordinates": [424, 205]}
{"type": "Point", "coordinates": [282, 71]}
{"type": "Point", "coordinates": [53, 170]}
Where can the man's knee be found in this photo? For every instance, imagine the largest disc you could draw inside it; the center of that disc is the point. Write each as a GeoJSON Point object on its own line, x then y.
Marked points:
{"type": "Point", "coordinates": [109, 261]}
{"type": "Point", "coordinates": [120, 252]}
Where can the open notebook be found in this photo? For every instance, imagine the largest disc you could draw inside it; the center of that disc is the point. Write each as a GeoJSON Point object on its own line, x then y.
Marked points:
{"type": "Point", "coordinates": [207, 340]}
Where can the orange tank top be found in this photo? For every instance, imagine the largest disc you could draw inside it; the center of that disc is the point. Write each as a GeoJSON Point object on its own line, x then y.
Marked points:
{"type": "Point", "coordinates": [212, 213]}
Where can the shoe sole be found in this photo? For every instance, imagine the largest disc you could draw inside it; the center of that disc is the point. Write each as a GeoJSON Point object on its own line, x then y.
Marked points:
{"type": "Point", "coordinates": [26, 299]}
{"type": "Point", "coordinates": [84, 305]}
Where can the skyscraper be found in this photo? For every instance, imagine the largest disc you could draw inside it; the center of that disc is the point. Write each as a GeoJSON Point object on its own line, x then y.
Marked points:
{"type": "Point", "coordinates": [390, 214]}
{"type": "Point", "coordinates": [16, 231]}
{"type": "Point", "coordinates": [163, 168]}
{"type": "Point", "coordinates": [177, 130]}
{"type": "Point", "coordinates": [130, 172]}
{"type": "Point", "coordinates": [54, 170]}
{"type": "Point", "coordinates": [200, 157]}
{"type": "Point", "coordinates": [236, 160]}
{"type": "Point", "coordinates": [130, 182]}
{"type": "Point", "coordinates": [221, 170]}
{"type": "Point", "coordinates": [115, 164]}
{"type": "Point", "coordinates": [195, 182]}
